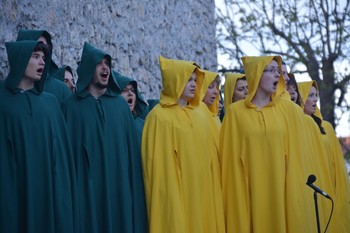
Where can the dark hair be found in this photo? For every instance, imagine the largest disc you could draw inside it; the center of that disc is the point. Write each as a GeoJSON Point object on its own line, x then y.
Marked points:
{"type": "Point", "coordinates": [319, 123]}
{"type": "Point", "coordinates": [293, 82]}
{"type": "Point", "coordinates": [40, 46]}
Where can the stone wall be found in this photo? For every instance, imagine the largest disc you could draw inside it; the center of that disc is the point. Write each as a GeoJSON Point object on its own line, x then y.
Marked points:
{"type": "Point", "coordinates": [133, 32]}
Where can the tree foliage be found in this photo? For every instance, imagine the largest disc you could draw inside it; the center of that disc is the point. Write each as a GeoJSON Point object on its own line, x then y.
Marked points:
{"type": "Point", "coordinates": [311, 36]}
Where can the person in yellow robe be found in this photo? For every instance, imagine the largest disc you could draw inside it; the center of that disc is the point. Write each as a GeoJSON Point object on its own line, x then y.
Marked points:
{"type": "Point", "coordinates": [318, 160]}
{"type": "Point", "coordinates": [292, 88]}
{"type": "Point", "coordinates": [337, 171]}
{"type": "Point", "coordinates": [178, 155]}
{"type": "Point", "coordinates": [210, 95]}
{"type": "Point", "coordinates": [261, 148]}
{"type": "Point", "coordinates": [235, 88]}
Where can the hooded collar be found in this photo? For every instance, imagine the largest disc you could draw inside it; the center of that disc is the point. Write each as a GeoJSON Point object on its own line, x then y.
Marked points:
{"type": "Point", "coordinates": [304, 90]}
{"type": "Point", "coordinates": [91, 56]}
{"type": "Point", "coordinates": [210, 77]}
{"type": "Point", "coordinates": [254, 68]}
{"type": "Point", "coordinates": [24, 34]}
{"type": "Point", "coordinates": [175, 75]}
{"type": "Point", "coordinates": [123, 81]}
{"type": "Point", "coordinates": [19, 54]}
{"type": "Point", "coordinates": [229, 87]}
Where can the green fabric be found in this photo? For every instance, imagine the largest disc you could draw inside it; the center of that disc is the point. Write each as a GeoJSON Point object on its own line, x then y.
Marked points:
{"type": "Point", "coordinates": [57, 88]}
{"type": "Point", "coordinates": [37, 177]}
{"type": "Point", "coordinates": [18, 56]}
{"type": "Point", "coordinates": [24, 34]}
{"type": "Point", "coordinates": [152, 103]}
{"type": "Point", "coordinates": [53, 86]}
{"type": "Point", "coordinates": [60, 73]}
{"type": "Point", "coordinates": [109, 173]}
{"type": "Point", "coordinates": [91, 56]}
{"type": "Point", "coordinates": [141, 106]}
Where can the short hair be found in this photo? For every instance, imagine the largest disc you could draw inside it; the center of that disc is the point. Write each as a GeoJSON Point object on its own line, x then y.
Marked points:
{"type": "Point", "coordinates": [40, 46]}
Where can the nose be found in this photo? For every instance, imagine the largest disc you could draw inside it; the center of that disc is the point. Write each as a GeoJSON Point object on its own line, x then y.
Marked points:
{"type": "Point", "coordinates": [246, 90]}
{"type": "Point", "coordinates": [42, 61]}
{"type": "Point", "coordinates": [193, 83]}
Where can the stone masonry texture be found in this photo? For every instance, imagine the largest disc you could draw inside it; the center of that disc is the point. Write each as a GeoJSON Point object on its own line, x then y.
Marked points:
{"type": "Point", "coordinates": [133, 32]}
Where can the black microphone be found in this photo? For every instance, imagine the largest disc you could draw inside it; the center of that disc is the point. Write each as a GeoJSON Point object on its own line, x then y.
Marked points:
{"type": "Point", "coordinates": [310, 180]}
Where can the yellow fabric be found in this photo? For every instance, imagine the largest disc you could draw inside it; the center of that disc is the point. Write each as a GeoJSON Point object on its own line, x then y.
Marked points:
{"type": "Point", "coordinates": [341, 216]}
{"type": "Point", "coordinates": [229, 87]}
{"type": "Point", "coordinates": [340, 187]}
{"type": "Point", "coordinates": [263, 170]}
{"type": "Point", "coordinates": [253, 67]}
{"type": "Point", "coordinates": [178, 73]}
{"type": "Point", "coordinates": [180, 162]}
{"type": "Point", "coordinates": [212, 111]}
{"type": "Point", "coordinates": [320, 167]}
{"type": "Point", "coordinates": [209, 78]}
{"type": "Point", "coordinates": [304, 90]}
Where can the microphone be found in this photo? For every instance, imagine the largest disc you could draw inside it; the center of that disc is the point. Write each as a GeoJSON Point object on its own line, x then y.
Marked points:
{"type": "Point", "coordinates": [310, 180]}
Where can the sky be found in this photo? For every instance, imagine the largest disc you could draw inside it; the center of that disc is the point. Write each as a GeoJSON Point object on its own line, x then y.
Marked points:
{"type": "Point", "coordinates": [343, 129]}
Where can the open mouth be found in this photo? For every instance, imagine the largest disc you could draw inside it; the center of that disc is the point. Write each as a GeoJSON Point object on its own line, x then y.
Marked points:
{"type": "Point", "coordinates": [130, 101]}
{"type": "Point", "coordinates": [40, 70]}
{"type": "Point", "coordinates": [104, 75]}
{"type": "Point", "coordinates": [275, 83]}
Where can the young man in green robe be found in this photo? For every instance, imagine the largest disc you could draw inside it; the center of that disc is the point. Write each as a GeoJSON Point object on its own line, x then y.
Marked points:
{"type": "Point", "coordinates": [37, 177]}
{"type": "Point", "coordinates": [109, 173]}
{"type": "Point", "coordinates": [52, 85]}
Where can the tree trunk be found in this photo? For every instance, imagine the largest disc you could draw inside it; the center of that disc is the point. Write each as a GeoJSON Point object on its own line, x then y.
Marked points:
{"type": "Point", "coordinates": [327, 89]}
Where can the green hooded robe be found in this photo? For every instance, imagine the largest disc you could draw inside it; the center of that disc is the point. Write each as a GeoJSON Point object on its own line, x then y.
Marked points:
{"type": "Point", "coordinates": [140, 109]}
{"type": "Point", "coordinates": [37, 177]}
{"type": "Point", "coordinates": [52, 85]}
{"type": "Point", "coordinates": [109, 172]}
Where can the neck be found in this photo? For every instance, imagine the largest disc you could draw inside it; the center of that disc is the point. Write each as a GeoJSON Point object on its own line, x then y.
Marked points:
{"type": "Point", "coordinates": [182, 102]}
{"type": "Point", "coordinates": [96, 91]}
{"type": "Point", "coordinates": [25, 84]}
{"type": "Point", "coordinates": [261, 99]}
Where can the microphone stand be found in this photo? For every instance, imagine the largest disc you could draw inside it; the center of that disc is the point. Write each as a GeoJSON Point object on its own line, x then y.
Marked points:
{"type": "Point", "coordinates": [316, 209]}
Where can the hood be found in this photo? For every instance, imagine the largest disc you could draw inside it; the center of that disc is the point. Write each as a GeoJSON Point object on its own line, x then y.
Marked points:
{"type": "Point", "coordinates": [304, 90]}
{"type": "Point", "coordinates": [254, 68]}
{"type": "Point", "coordinates": [175, 75]}
{"type": "Point", "coordinates": [90, 57]}
{"type": "Point", "coordinates": [123, 81]}
{"type": "Point", "coordinates": [19, 54]}
{"type": "Point", "coordinates": [210, 77]}
{"type": "Point", "coordinates": [229, 87]}
{"type": "Point", "coordinates": [60, 73]}
{"type": "Point", "coordinates": [24, 34]}
{"type": "Point", "coordinates": [152, 103]}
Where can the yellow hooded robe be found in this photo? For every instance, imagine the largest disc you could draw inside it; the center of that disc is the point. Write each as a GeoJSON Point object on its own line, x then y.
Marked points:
{"type": "Point", "coordinates": [229, 87]}
{"type": "Point", "coordinates": [340, 190]}
{"type": "Point", "coordinates": [214, 108]}
{"type": "Point", "coordinates": [177, 154]}
{"type": "Point", "coordinates": [263, 170]}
